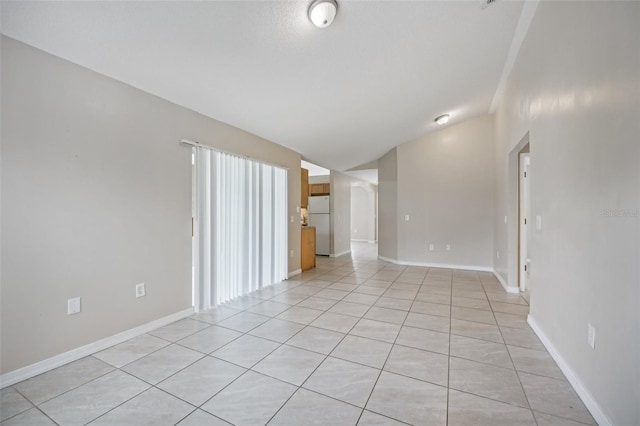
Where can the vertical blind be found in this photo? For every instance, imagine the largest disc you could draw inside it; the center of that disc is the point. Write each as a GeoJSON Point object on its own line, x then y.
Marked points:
{"type": "Point", "coordinates": [240, 226]}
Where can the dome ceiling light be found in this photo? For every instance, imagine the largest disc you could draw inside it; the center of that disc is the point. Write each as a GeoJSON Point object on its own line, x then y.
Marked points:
{"type": "Point", "coordinates": [323, 12]}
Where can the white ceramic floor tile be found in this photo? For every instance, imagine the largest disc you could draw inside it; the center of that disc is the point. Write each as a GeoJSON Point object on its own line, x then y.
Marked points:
{"type": "Point", "coordinates": [162, 364]}
{"type": "Point", "coordinates": [409, 400]}
{"type": "Point", "coordinates": [244, 321]}
{"type": "Point", "coordinates": [292, 365]}
{"type": "Point", "coordinates": [309, 408]}
{"type": "Point", "coordinates": [201, 418]}
{"type": "Point", "coordinates": [246, 351]}
{"type": "Point", "coordinates": [179, 329]}
{"type": "Point", "coordinates": [131, 350]}
{"type": "Point", "coordinates": [343, 380]}
{"type": "Point", "coordinates": [467, 409]}
{"type": "Point", "coordinates": [32, 417]}
{"type": "Point", "coordinates": [424, 339]}
{"type": "Point", "coordinates": [419, 364]}
{"type": "Point", "coordinates": [209, 339]}
{"type": "Point", "coordinates": [201, 380]}
{"type": "Point", "coordinates": [62, 379]}
{"type": "Point", "coordinates": [12, 403]}
{"type": "Point", "coordinates": [251, 400]}
{"type": "Point", "coordinates": [93, 399]}
{"type": "Point", "coordinates": [378, 330]}
{"type": "Point", "coordinates": [316, 340]}
{"type": "Point", "coordinates": [277, 330]}
{"type": "Point", "coordinates": [363, 351]}
{"type": "Point", "coordinates": [153, 407]}
{"type": "Point", "coordinates": [370, 418]}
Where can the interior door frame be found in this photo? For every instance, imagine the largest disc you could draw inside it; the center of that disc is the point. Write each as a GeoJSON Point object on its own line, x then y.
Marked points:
{"type": "Point", "coordinates": [524, 218]}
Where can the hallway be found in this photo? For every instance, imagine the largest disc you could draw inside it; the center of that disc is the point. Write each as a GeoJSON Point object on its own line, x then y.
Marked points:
{"type": "Point", "coordinates": [354, 341]}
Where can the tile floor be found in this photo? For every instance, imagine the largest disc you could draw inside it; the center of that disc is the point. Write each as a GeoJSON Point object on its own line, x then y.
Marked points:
{"type": "Point", "coordinates": [355, 341]}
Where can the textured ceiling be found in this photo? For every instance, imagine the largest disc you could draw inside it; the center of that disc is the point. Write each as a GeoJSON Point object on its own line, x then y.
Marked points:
{"type": "Point", "coordinates": [340, 96]}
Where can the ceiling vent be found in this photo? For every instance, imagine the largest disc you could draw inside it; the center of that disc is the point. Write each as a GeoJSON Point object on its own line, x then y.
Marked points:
{"type": "Point", "coordinates": [486, 3]}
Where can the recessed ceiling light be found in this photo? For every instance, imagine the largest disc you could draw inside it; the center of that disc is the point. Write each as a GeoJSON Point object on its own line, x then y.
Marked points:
{"type": "Point", "coordinates": [442, 119]}
{"type": "Point", "coordinates": [322, 12]}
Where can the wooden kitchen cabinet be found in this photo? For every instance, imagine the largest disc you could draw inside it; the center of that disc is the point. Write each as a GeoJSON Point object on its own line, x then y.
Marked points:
{"type": "Point", "coordinates": [304, 185]}
{"type": "Point", "coordinates": [319, 189]}
{"type": "Point", "coordinates": [308, 248]}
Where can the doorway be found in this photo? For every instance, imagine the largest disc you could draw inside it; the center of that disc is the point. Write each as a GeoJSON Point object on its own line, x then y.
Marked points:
{"type": "Point", "coordinates": [524, 219]}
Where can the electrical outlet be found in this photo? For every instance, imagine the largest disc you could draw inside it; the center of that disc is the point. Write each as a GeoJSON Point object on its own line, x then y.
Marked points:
{"type": "Point", "coordinates": [498, 254]}
{"type": "Point", "coordinates": [291, 254]}
{"type": "Point", "coordinates": [406, 218]}
{"type": "Point", "coordinates": [448, 247]}
{"type": "Point", "coordinates": [140, 290]}
{"type": "Point", "coordinates": [291, 219]}
{"type": "Point", "coordinates": [432, 247]}
{"type": "Point", "coordinates": [591, 336]}
{"type": "Point", "coordinates": [73, 306]}
{"type": "Point", "coordinates": [539, 223]}
{"type": "Point", "coordinates": [505, 220]}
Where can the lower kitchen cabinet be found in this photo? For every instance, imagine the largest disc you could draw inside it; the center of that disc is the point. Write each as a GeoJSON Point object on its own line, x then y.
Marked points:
{"type": "Point", "coordinates": [308, 248]}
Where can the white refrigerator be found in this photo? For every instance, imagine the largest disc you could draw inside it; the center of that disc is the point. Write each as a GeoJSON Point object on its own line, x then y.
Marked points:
{"type": "Point", "coordinates": [319, 217]}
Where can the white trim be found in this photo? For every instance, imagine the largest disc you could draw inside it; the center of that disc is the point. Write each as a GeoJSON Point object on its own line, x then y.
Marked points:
{"type": "Point", "coordinates": [294, 273]}
{"type": "Point", "coordinates": [528, 11]}
{"type": "Point", "coordinates": [340, 254]}
{"type": "Point", "coordinates": [24, 373]}
{"type": "Point", "coordinates": [438, 265]}
{"type": "Point", "coordinates": [582, 391]}
{"type": "Point", "coordinates": [363, 241]}
{"type": "Point", "coordinates": [507, 287]}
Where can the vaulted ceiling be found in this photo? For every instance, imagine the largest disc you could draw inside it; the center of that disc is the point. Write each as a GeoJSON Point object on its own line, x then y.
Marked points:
{"type": "Point", "coordinates": [341, 96]}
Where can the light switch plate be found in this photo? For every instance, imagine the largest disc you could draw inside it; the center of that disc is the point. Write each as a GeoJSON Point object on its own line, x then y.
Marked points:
{"type": "Point", "coordinates": [73, 306]}
{"type": "Point", "coordinates": [539, 223]}
{"type": "Point", "coordinates": [140, 290]}
{"type": "Point", "coordinates": [406, 218]}
{"type": "Point", "coordinates": [591, 336]}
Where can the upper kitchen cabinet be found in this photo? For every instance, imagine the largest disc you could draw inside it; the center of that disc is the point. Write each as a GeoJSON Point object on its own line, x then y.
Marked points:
{"type": "Point", "coordinates": [319, 189]}
{"type": "Point", "coordinates": [304, 185]}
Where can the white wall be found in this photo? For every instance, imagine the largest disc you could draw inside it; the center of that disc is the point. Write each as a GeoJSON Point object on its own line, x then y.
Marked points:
{"type": "Point", "coordinates": [363, 211]}
{"type": "Point", "coordinates": [575, 88]}
{"type": "Point", "coordinates": [340, 213]}
{"type": "Point", "coordinates": [445, 186]}
{"type": "Point", "coordinates": [96, 197]}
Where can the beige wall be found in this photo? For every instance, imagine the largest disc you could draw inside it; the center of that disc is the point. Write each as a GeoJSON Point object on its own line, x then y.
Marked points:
{"type": "Point", "coordinates": [445, 185]}
{"type": "Point", "coordinates": [340, 213]}
{"type": "Point", "coordinates": [575, 88]}
{"type": "Point", "coordinates": [96, 197]}
{"type": "Point", "coordinates": [388, 205]}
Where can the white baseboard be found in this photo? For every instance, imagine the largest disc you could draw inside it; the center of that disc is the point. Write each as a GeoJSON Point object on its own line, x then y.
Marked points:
{"type": "Point", "coordinates": [514, 290]}
{"type": "Point", "coordinates": [24, 373]}
{"type": "Point", "coordinates": [340, 254]}
{"type": "Point", "coordinates": [586, 397]}
{"type": "Point", "coordinates": [438, 265]}
{"type": "Point", "coordinates": [294, 273]}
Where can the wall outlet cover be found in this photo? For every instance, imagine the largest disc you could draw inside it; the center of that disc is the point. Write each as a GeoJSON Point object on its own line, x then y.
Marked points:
{"type": "Point", "coordinates": [432, 247]}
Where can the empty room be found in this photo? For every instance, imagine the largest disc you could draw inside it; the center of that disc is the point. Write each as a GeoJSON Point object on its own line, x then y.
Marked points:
{"type": "Point", "coordinates": [320, 212]}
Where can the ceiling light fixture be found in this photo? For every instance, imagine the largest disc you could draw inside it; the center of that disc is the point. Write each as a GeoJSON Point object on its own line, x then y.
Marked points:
{"type": "Point", "coordinates": [323, 12]}
{"type": "Point", "coordinates": [442, 119]}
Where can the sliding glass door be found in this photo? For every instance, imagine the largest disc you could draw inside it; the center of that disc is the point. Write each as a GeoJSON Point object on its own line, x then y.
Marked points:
{"type": "Point", "coordinates": [240, 226]}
